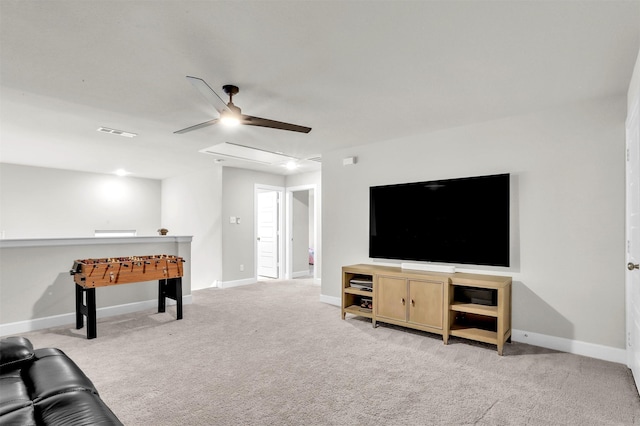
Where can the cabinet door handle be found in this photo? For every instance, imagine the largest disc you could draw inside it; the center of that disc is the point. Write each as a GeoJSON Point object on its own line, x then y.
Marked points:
{"type": "Point", "coordinates": [402, 300]}
{"type": "Point", "coordinates": [413, 302]}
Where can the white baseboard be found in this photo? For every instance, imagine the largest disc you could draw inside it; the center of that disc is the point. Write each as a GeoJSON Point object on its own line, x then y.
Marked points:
{"type": "Point", "coordinates": [238, 283]}
{"type": "Point", "coordinates": [331, 300]}
{"type": "Point", "coordinates": [300, 273]}
{"type": "Point", "coordinates": [70, 318]}
{"type": "Point", "coordinates": [592, 350]}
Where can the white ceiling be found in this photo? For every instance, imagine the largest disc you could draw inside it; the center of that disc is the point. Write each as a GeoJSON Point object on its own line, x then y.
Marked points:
{"type": "Point", "coordinates": [357, 72]}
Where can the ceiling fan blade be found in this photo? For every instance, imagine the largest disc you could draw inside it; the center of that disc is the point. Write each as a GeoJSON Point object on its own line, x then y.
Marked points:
{"type": "Point", "coordinates": [198, 126]}
{"type": "Point", "coordinates": [209, 94]}
{"type": "Point", "coordinates": [263, 122]}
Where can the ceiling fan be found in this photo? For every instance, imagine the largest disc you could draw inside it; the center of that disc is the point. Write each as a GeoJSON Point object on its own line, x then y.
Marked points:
{"type": "Point", "coordinates": [231, 114]}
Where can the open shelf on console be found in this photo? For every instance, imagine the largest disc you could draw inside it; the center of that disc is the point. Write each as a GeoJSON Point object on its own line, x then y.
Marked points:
{"type": "Point", "coordinates": [361, 291]}
{"type": "Point", "coordinates": [473, 333]}
{"type": "Point", "coordinates": [357, 310]}
{"type": "Point", "coordinates": [358, 291]}
{"type": "Point", "coordinates": [474, 326]}
{"type": "Point", "coordinates": [473, 308]}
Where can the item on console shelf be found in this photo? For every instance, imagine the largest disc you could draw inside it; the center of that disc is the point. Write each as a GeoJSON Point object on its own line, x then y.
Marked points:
{"type": "Point", "coordinates": [361, 282]}
{"type": "Point", "coordinates": [366, 304]}
{"type": "Point", "coordinates": [479, 296]}
{"type": "Point", "coordinates": [45, 387]}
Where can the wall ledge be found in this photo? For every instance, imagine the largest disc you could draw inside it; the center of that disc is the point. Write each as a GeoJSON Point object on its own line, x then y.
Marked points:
{"type": "Point", "coordinates": [48, 242]}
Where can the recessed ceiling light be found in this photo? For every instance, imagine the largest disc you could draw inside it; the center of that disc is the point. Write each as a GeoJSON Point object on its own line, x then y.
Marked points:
{"type": "Point", "coordinates": [122, 172]}
{"type": "Point", "coordinates": [117, 132]}
{"type": "Point", "coordinates": [291, 165]}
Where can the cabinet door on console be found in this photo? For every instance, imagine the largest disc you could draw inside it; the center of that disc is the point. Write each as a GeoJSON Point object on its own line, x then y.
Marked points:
{"type": "Point", "coordinates": [391, 300]}
{"type": "Point", "coordinates": [425, 303]}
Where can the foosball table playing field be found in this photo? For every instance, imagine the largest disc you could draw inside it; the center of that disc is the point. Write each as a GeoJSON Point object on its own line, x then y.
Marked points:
{"type": "Point", "coordinates": [88, 274]}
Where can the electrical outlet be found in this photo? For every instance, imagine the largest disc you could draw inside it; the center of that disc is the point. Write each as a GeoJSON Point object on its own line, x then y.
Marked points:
{"type": "Point", "coordinates": [241, 268]}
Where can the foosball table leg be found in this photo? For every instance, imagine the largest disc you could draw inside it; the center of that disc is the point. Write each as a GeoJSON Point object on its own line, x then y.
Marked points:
{"type": "Point", "coordinates": [178, 295]}
{"type": "Point", "coordinates": [79, 304]}
{"type": "Point", "coordinates": [87, 308]}
{"type": "Point", "coordinates": [162, 302]}
{"type": "Point", "coordinates": [170, 288]}
{"type": "Point", "coordinates": [92, 328]}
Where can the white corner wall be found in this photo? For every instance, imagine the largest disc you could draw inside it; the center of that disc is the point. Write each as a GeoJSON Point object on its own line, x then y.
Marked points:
{"type": "Point", "coordinates": [192, 205]}
{"type": "Point", "coordinates": [568, 209]}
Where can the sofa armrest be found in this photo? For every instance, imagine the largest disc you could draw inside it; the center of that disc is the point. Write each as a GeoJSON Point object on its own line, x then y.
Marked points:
{"type": "Point", "coordinates": [15, 352]}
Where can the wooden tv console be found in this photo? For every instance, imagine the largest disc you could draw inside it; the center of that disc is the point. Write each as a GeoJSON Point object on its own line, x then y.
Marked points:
{"type": "Point", "coordinates": [471, 306]}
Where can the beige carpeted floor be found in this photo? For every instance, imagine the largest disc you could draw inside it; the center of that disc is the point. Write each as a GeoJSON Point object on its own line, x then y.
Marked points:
{"type": "Point", "coordinates": [272, 354]}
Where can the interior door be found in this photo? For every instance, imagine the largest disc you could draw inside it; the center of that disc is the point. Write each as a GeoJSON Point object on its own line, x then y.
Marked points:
{"type": "Point", "coordinates": [633, 240]}
{"type": "Point", "coordinates": [267, 234]}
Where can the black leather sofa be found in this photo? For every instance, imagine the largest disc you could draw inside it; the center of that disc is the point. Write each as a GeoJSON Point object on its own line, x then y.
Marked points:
{"type": "Point", "coordinates": [45, 387]}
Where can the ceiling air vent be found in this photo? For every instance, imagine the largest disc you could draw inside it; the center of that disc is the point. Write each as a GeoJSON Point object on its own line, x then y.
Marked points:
{"type": "Point", "coordinates": [116, 132]}
{"type": "Point", "coordinates": [316, 159]}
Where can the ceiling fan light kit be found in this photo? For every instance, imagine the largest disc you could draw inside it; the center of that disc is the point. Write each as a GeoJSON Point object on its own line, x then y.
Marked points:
{"type": "Point", "coordinates": [230, 113]}
{"type": "Point", "coordinates": [229, 119]}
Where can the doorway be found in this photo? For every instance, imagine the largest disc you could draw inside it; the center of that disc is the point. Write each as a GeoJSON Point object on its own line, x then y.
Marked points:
{"type": "Point", "coordinates": [301, 234]}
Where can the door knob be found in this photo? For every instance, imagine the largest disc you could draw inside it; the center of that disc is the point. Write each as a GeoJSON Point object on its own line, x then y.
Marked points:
{"type": "Point", "coordinates": [631, 266]}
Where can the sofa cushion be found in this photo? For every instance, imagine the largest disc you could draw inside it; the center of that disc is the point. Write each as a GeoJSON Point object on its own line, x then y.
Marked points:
{"type": "Point", "coordinates": [14, 353]}
{"type": "Point", "coordinates": [23, 416]}
{"type": "Point", "coordinates": [75, 408]}
{"type": "Point", "coordinates": [15, 394]}
{"type": "Point", "coordinates": [52, 372]}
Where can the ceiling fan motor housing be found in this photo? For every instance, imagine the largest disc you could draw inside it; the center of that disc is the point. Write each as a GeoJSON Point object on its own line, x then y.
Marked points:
{"type": "Point", "coordinates": [230, 89]}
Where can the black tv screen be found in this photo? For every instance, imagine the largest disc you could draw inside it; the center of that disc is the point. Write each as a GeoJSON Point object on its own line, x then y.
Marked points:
{"type": "Point", "coordinates": [463, 220]}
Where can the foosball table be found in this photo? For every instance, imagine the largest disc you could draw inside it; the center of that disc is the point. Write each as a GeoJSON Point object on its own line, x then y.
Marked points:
{"type": "Point", "coordinates": [89, 274]}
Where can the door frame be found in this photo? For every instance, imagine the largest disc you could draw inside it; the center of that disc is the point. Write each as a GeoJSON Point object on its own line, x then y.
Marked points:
{"type": "Point", "coordinates": [289, 229]}
{"type": "Point", "coordinates": [280, 190]}
{"type": "Point", "coordinates": [633, 119]}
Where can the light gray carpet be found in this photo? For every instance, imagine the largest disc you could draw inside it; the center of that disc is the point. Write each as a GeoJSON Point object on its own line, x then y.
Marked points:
{"type": "Point", "coordinates": [272, 354]}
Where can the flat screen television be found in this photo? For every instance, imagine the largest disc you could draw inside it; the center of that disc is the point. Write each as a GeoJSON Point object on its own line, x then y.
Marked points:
{"type": "Point", "coordinates": [462, 221]}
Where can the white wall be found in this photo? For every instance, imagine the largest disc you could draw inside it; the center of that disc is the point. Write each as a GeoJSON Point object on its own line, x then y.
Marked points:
{"type": "Point", "coordinates": [192, 205]}
{"type": "Point", "coordinates": [568, 169]}
{"type": "Point", "coordinates": [38, 202]}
